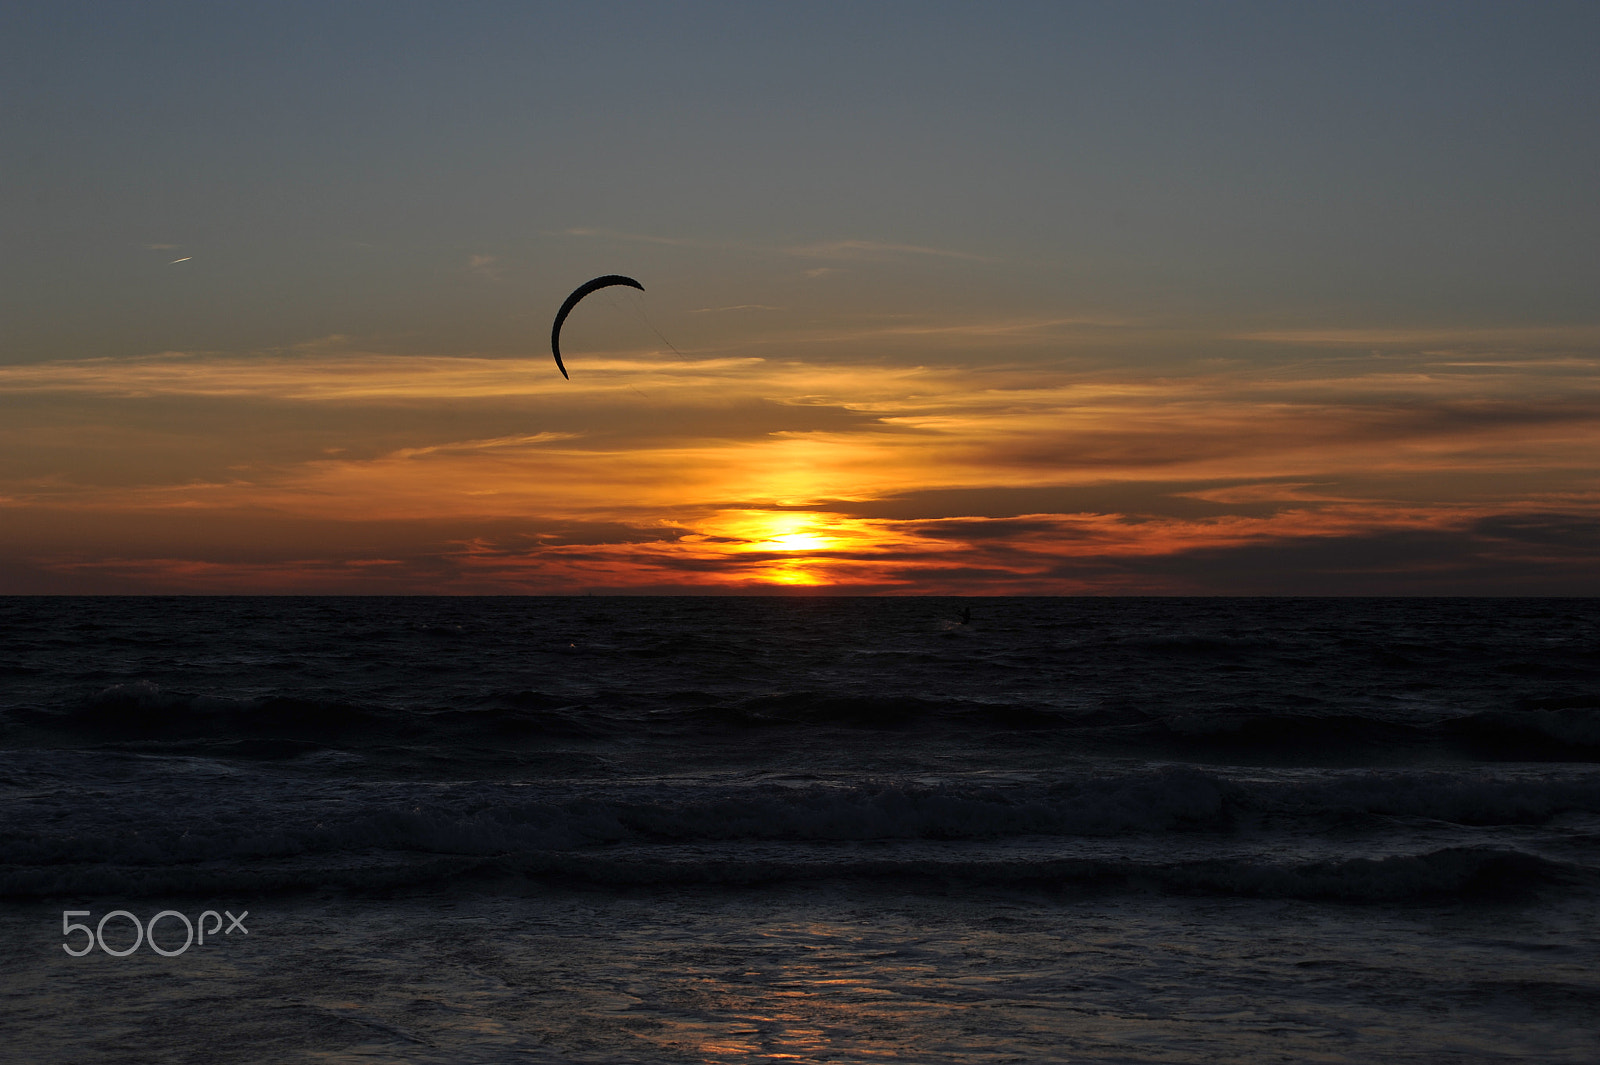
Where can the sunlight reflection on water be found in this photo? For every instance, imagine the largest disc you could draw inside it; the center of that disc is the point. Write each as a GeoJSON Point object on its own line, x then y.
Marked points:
{"type": "Point", "coordinates": [838, 975]}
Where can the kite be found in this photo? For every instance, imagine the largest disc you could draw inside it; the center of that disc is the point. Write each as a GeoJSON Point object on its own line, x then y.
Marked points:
{"type": "Point", "coordinates": [572, 301]}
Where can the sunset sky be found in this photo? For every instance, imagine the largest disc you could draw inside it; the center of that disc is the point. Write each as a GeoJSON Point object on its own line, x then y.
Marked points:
{"type": "Point", "coordinates": [1109, 298]}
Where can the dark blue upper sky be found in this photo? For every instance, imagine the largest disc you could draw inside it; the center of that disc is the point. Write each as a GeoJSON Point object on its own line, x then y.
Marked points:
{"type": "Point", "coordinates": [331, 167]}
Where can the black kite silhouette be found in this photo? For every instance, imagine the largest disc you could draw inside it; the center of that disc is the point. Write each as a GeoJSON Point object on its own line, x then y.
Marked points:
{"type": "Point", "coordinates": [572, 301]}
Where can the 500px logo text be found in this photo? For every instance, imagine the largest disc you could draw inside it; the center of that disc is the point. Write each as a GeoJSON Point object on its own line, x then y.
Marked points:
{"type": "Point", "coordinates": [143, 933]}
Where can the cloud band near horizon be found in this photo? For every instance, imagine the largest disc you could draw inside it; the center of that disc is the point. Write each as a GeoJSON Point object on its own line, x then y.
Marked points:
{"type": "Point", "coordinates": [1439, 464]}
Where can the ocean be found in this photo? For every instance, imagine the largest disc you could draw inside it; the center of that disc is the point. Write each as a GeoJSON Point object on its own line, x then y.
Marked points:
{"type": "Point", "coordinates": [799, 829]}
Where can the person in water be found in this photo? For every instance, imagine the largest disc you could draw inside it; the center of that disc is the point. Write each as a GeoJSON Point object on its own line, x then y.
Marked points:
{"type": "Point", "coordinates": [966, 615]}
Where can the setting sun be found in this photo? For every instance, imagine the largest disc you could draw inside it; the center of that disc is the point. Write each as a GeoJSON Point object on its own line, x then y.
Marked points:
{"type": "Point", "coordinates": [791, 532]}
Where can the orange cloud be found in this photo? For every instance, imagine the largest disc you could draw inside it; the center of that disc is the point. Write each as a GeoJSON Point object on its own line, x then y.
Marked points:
{"type": "Point", "coordinates": [657, 471]}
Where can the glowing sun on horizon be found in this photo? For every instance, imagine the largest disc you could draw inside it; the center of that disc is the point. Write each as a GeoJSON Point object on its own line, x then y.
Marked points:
{"type": "Point", "coordinates": [767, 532]}
{"type": "Point", "coordinates": [789, 532]}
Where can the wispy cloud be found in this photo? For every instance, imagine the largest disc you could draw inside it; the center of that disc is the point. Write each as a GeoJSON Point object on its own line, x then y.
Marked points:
{"type": "Point", "coordinates": [486, 266]}
{"type": "Point", "coordinates": [990, 327]}
{"type": "Point", "coordinates": [735, 307]}
{"type": "Point", "coordinates": [1541, 337]}
{"type": "Point", "coordinates": [844, 250]}
{"type": "Point", "coordinates": [491, 443]}
{"type": "Point", "coordinates": [636, 238]}
{"type": "Point", "coordinates": [877, 249]}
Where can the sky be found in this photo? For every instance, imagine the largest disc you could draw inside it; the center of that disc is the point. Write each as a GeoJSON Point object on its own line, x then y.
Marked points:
{"type": "Point", "coordinates": [1044, 299]}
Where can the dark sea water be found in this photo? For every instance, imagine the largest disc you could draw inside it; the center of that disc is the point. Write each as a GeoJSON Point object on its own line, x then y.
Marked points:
{"type": "Point", "coordinates": [802, 829]}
